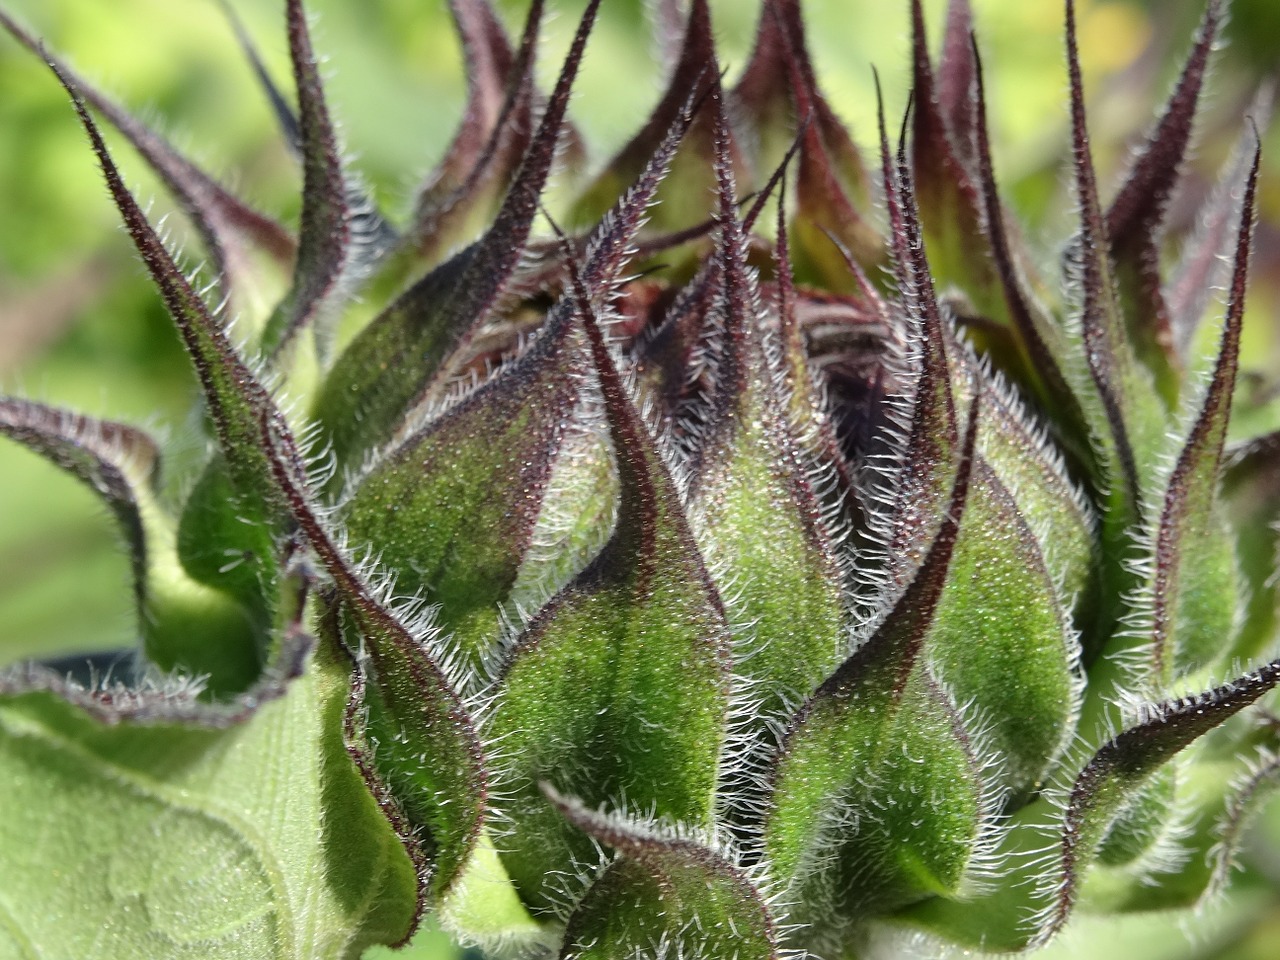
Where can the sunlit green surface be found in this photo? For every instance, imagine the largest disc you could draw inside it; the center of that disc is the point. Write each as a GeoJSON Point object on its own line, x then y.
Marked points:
{"type": "Point", "coordinates": [80, 327]}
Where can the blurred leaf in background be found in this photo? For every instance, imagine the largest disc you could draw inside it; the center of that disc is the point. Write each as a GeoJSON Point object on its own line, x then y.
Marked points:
{"type": "Point", "coordinates": [81, 327]}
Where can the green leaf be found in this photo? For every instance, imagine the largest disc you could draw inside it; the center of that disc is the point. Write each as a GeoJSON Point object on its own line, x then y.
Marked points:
{"type": "Point", "coordinates": [1050, 849]}
{"type": "Point", "coordinates": [370, 233]}
{"type": "Point", "coordinates": [1194, 588]}
{"type": "Point", "coordinates": [235, 396]}
{"type": "Point", "coordinates": [878, 799]}
{"type": "Point", "coordinates": [325, 233]}
{"type": "Point", "coordinates": [759, 517]}
{"type": "Point", "coordinates": [684, 191]}
{"type": "Point", "coordinates": [237, 487]}
{"type": "Point", "coordinates": [116, 461]}
{"type": "Point", "coordinates": [1142, 826]}
{"type": "Point", "coordinates": [1126, 411]}
{"type": "Point", "coordinates": [833, 189]}
{"type": "Point", "coordinates": [224, 546]}
{"type": "Point", "coordinates": [1022, 670]}
{"type": "Point", "coordinates": [1191, 605]}
{"type": "Point", "coordinates": [229, 229]}
{"type": "Point", "coordinates": [1194, 844]}
{"type": "Point", "coordinates": [1006, 915]}
{"type": "Point", "coordinates": [616, 692]}
{"type": "Point", "coordinates": [804, 393]}
{"type": "Point", "coordinates": [1126, 415]}
{"type": "Point", "coordinates": [465, 189]}
{"type": "Point", "coordinates": [923, 481]}
{"type": "Point", "coordinates": [182, 830]}
{"type": "Point", "coordinates": [184, 623]}
{"type": "Point", "coordinates": [1031, 468]}
{"type": "Point", "coordinates": [418, 733]}
{"type": "Point", "coordinates": [484, 908]}
{"type": "Point", "coordinates": [664, 895]}
{"type": "Point", "coordinates": [452, 511]}
{"type": "Point", "coordinates": [455, 508]}
{"type": "Point", "coordinates": [971, 246]}
{"type": "Point", "coordinates": [400, 361]}
{"type": "Point", "coordinates": [1117, 773]}
{"type": "Point", "coordinates": [1205, 264]}
{"type": "Point", "coordinates": [577, 521]}
{"type": "Point", "coordinates": [1251, 498]}
{"type": "Point", "coordinates": [1025, 549]}
{"type": "Point", "coordinates": [1136, 216]}
{"type": "Point", "coordinates": [949, 199]}
{"type": "Point", "coordinates": [998, 573]}
{"type": "Point", "coordinates": [1041, 360]}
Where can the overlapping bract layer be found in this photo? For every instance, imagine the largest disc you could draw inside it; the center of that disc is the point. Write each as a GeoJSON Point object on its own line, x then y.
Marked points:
{"type": "Point", "coordinates": [689, 608]}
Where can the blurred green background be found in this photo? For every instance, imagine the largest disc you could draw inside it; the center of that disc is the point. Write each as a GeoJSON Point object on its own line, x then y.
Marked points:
{"type": "Point", "coordinates": [79, 325]}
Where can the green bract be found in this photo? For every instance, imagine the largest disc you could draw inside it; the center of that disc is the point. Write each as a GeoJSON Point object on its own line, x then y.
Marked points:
{"type": "Point", "coordinates": [747, 558]}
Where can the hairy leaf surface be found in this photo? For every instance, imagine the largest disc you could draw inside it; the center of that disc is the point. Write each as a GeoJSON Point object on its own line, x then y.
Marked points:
{"type": "Point", "coordinates": [253, 839]}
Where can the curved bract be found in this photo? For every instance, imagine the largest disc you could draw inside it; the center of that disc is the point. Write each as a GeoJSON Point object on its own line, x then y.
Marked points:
{"type": "Point", "coordinates": [770, 566]}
